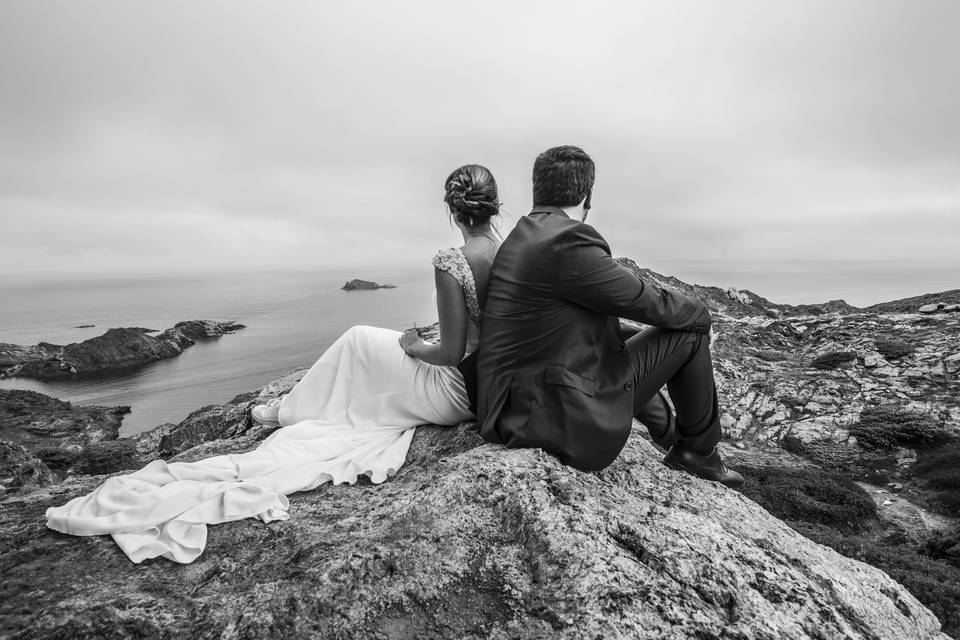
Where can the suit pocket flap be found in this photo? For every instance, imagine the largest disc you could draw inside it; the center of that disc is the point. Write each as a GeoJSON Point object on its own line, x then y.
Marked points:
{"type": "Point", "coordinates": [564, 375]}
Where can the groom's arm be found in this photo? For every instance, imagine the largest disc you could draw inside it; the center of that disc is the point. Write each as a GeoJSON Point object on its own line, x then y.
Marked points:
{"type": "Point", "coordinates": [588, 276]}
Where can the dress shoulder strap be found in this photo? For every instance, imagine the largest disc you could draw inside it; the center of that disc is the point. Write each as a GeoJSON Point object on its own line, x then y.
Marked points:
{"type": "Point", "coordinates": [455, 263]}
{"type": "Point", "coordinates": [448, 260]}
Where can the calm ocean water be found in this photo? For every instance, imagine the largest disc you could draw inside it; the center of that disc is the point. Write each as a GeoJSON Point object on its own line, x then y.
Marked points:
{"type": "Point", "coordinates": [292, 317]}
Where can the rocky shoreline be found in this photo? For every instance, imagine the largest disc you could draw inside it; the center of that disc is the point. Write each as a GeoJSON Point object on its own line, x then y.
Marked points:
{"type": "Point", "coordinates": [116, 349]}
{"type": "Point", "coordinates": [834, 413]}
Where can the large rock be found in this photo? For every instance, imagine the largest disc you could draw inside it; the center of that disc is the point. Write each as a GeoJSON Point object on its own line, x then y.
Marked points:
{"type": "Point", "coordinates": [469, 540]}
{"type": "Point", "coordinates": [37, 420]}
{"type": "Point", "coordinates": [21, 470]}
{"type": "Point", "coordinates": [213, 422]}
{"type": "Point", "coordinates": [58, 438]}
{"type": "Point", "coordinates": [114, 350]}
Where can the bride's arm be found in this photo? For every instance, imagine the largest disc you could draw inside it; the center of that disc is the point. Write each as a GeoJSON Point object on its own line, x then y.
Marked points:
{"type": "Point", "coordinates": [452, 311]}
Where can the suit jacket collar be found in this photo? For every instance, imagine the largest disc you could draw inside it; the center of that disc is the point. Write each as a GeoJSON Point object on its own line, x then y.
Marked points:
{"type": "Point", "coordinates": [545, 208]}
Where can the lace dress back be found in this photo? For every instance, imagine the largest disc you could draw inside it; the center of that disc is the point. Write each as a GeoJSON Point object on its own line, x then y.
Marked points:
{"type": "Point", "coordinates": [453, 261]}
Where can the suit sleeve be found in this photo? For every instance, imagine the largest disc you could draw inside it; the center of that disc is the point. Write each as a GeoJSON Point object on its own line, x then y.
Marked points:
{"type": "Point", "coordinates": [588, 276]}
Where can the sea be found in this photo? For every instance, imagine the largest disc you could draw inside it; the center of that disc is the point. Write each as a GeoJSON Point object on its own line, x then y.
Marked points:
{"type": "Point", "coordinates": [292, 316]}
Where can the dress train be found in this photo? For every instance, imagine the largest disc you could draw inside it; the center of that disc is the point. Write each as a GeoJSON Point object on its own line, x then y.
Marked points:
{"type": "Point", "coordinates": [353, 413]}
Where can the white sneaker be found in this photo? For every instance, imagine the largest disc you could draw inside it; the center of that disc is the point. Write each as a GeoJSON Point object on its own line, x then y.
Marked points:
{"type": "Point", "coordinates": [267, 413]}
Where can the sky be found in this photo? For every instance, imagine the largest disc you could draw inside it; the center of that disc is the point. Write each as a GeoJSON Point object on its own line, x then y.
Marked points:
{"type": "Point", "coordinates": [737, 136]}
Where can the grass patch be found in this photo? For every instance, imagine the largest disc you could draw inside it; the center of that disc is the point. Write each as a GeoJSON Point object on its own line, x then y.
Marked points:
{"type": "Point", "coordinates": [940, 468]}
{"type": "Point", "coordinates": [810, 495]}
{"type": "Point", "coordinates": [888, 427]}
{"type": "Point", "coordinates": [893, 348]}
{"type": "Point", "coordinates": [793, 444]}
{"type": "Point", "coordinates": [875, 467]}
{"type": "Point", "coordinates": [833, 359]}
{"type": "Point", "coordinates": [831, 510]}
{"type": "Point", "coordinates": [935, 583]}
{"type": "Point", "coordinates": [944, 545]}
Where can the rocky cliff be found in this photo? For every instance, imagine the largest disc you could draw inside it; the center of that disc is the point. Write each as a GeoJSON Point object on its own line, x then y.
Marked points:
{"type": "Point", "coordinates": [116, 349]}
{"type": "Point", "coordinates": [472, 540]}
{"type": "Point", "coordinates": [468, 541]}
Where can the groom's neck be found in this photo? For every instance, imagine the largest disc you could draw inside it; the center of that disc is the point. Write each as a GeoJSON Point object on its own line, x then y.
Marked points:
{"type": "Point", "coordinates": [574, 213]}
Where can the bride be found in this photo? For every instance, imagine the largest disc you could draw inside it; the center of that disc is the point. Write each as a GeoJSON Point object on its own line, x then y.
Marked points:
{"type": "Point", "coordinates": [353, 413]}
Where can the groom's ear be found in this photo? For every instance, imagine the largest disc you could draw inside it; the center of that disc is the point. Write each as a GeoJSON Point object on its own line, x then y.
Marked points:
{"type": "Point", "coordinates": [586, 205]}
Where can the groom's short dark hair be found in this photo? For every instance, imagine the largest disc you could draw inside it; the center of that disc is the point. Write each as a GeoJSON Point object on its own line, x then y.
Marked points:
{"type": "Point", "coordinates": [562, 177]}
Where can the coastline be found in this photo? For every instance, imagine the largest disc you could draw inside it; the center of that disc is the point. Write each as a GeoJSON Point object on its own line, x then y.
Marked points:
{"type": "Point", "coordinates": [290, 318]}
{"type": "Point", "coordinates": [830, 411]}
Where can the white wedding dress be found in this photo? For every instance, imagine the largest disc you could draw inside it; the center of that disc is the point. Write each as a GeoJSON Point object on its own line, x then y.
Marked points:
{"type": "Point", "coordinates": [354, 413]}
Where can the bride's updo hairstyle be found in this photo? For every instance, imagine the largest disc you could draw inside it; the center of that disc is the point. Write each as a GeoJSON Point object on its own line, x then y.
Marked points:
{"type": "Point", "coordinates": [471, 195]}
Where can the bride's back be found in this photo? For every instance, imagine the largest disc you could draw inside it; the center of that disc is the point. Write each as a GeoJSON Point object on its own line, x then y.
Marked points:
{"type": "Point", "coordinates": [473, 200]}
{"type": "Point", "coordinates": [480, 258]}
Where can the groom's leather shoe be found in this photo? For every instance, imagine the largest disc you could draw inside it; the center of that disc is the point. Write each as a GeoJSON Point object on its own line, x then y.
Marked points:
{"type": "Point", "coordinates": [708, 467]}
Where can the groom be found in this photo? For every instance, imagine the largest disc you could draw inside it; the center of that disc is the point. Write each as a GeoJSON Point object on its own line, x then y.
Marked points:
{"type": "Point", "coordinates": [554, 370]}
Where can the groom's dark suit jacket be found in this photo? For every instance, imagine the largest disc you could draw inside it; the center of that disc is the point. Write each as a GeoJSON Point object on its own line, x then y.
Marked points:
{"type": "Point", "coordinates": [552, 366]}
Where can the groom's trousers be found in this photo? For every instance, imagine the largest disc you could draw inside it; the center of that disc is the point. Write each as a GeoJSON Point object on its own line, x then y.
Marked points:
{"type": "Point", "coordinates": [681, 361]}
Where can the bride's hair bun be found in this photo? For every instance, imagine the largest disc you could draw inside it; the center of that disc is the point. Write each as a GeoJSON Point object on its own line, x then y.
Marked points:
{"type": "Point", "coordinates": [472, 195]}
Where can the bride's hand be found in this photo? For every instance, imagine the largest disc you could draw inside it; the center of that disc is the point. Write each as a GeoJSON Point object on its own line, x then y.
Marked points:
{"type": "Point", "coordinates": [409, 338]}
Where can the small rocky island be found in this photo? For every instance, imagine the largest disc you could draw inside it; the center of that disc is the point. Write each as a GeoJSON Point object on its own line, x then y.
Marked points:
{"type": "Point", "coordinates": [364, 285]}
{"type": "Point", "coordinates": [114, 350]}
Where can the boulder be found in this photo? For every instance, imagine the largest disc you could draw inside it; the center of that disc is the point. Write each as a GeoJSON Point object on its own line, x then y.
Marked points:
{"type": "Point", "coordinates": [60, 438]}
{"type": "Point", "coordinates": [21, 470]}
{"type": "Point", "coordinates": [951, 363]}
{"type": "Point", "coordinates": [939, 307]}
{"type": "Point", "coordinates": [214, 422]}
{"type": "Point", "coordinates": [872, 359]}
{"type": "Point", "coordinates": [833, 359]}
{"type": "Point", "coordinates": [468, 540]}
{"type": "Point", "coordinates": [738, 296]}
{"type": "Point", "coordinates": [37, 420]}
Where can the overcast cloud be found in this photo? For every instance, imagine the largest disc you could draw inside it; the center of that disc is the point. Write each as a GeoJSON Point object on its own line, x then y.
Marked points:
{"type": "Point", "coordinates": [141, 136]}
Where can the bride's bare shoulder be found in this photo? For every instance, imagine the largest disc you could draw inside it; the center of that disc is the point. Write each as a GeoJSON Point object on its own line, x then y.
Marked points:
{"type": "Point", "coordinates": [478, 255]}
